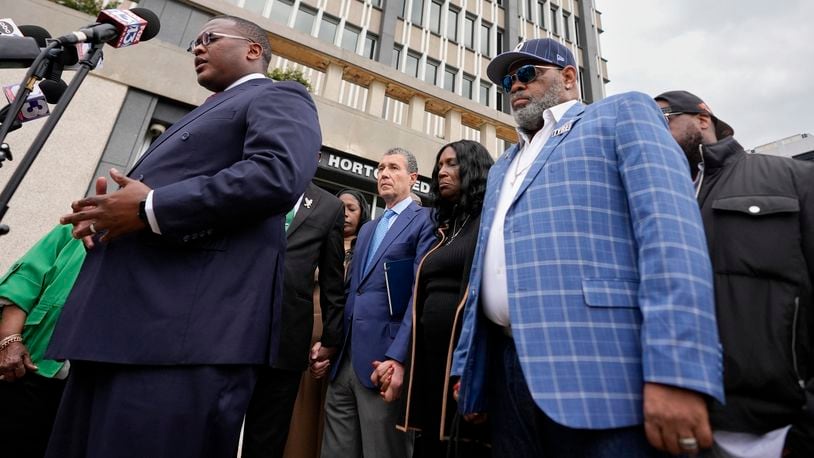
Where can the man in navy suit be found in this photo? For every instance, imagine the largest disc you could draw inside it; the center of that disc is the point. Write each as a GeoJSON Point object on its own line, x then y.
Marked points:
{"type": "Point", "coordinates": [358, 422]}
{"type": "Point", "coordinates": [178, 302]}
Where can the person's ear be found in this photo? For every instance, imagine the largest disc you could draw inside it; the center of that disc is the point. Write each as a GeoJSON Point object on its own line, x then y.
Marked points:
{"type": "Point", "coordinates": [569, 76]}
{"type": "Point", "coordinates": [255, 51]}
{"type": "Point", "coordinates": [705, 121]}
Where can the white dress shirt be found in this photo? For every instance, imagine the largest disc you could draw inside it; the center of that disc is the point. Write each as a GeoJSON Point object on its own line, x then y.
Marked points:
{"type": "Point", "coordinates": [494, 287]}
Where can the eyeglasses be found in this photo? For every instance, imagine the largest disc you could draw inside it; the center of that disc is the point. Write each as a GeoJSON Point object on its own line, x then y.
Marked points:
{"type": "Point", "coordinates": [524, 74]}
{"type": "Point", "coordinates": [208, 37]}
{"type": "Point", "coordinates": [670, 114]}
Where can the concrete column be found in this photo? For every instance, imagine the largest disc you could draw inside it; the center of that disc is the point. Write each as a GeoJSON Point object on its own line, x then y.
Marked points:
{"type": "Point", "coordinates": [453, 129]}
{"type": "Point", "coordinates": [415, 113]}
{"type": "Point", "coordinates": [333, 81]}
{"type": "Point", "coordinates": [376, 98]}
{"type": "Point", "coordinates": [488, 137]}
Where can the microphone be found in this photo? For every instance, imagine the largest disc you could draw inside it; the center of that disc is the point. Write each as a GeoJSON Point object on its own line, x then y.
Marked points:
{"type": "Point", "coordinates": [35, 106]}
{"type": "Point", "coordinates": [118, 28]}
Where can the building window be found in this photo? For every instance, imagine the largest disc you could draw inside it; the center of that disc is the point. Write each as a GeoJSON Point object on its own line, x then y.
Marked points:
{"type": "Point", "coordinates": [469, 32]}
{"type": "Point", "coordinates": [499, 100]}
{"type": "Point", "coordinates": [566, 25]}
{"type": "Point", "coordinates": [577, 36]}
{"type": "Point", "coordinates": [449, 78]}
{"type": "Point", "coordinates": [281, 11]}
{"type": "Point", "coordinates": [484, 92]}
{"type": "Point", "coordinates": [467, 87]}
{"type": "Point", "coordinates": [499, 41]}
{"type": "Point", "coordinates": [582, 83]}
{"type": "Point", "coordinates": [435, 18]}
{"type": "Point", "coordinates": [255, 6]}
{"type": "Point", "coordinates": [304, 22]}
{"type": "Point", "coordinates": [452, 24]}
{"type": "Point", "coordinates": [528, 11]}
{"type": "Point", "coordinates": [350, 38]}
{"type": "Point", "coordinates": [399, 5]}
{"type": "Point", "coordinates": [555, 23]}
{"type": "Point", "coordinates": [418, 12]}
{"type": "Point", "coordinates": [411, 65]}
{"type": "Point", "coordinates": [376, 3]}
{"type": "Point", "coordinates": [484, 39]}
{"type": "Point", "coordinates": [396, 56]}
{"type": "Point", "coordinates": [370, 45]}
{"type": "Point", "coordinates": [431, 71]}
{"type": "Point", "coordinates": [543, 10]}
{"type": "Point", "coordinates": [327, 28]}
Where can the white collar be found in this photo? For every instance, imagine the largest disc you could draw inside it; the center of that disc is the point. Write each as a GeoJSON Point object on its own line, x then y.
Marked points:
{"type": "Point", "coordinates": [244, 78]}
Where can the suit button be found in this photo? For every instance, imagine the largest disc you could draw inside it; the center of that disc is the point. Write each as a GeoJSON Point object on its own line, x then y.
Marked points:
{"type": "Point", "coordinates": [185, 238]}
{"type": "Point", "coordinates": [185, 136]}
{"type": "Point", "coordinates": [754, 209]}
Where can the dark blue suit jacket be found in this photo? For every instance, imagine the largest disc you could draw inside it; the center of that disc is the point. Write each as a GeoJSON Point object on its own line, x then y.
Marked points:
{"type": "Point", "coordinates": [207, 290]}
{"type": "Point", "coordinates": [374, 334]}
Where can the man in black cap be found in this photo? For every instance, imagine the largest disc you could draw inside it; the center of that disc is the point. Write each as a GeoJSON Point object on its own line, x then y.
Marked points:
{"type": "Point", "coordinates": [758, 214]}
{"type": "Point", "coordinates": [589, 326]}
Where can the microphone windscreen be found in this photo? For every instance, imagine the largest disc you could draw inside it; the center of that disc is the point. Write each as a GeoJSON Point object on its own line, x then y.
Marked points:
{"type": "Point", "coordinates": [153, 23]}
{"type": "Point", "coordinates": [37, 33]}
{"type": "Point", "coordinates": [52, 90]}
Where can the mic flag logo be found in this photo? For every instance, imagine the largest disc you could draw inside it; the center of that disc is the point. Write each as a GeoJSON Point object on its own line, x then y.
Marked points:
{"type": "Point", "coordinates": [35, 106]}
{"type": "Point", "coordinates": [129, 24]}
{"type": "Point", "coordinates": [8, 27]}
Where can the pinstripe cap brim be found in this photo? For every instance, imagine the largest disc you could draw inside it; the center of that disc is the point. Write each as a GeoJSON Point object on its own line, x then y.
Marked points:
{"type": "Point", "coordinates": [544, 50]}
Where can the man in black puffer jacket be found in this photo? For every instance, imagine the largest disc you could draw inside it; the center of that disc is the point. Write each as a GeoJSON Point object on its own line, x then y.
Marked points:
{"type": "Point", "coordinates": [758, 214]}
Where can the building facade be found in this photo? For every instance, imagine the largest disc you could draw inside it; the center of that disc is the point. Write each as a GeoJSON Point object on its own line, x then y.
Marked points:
{"type": "Point", "coordinates": [384, 73]}
{"type": "Point", "coordinates": [800, 146]}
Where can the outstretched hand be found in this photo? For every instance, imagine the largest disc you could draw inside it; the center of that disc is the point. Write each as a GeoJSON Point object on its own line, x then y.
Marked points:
{"type": "Point", "coordinates": [114, 214]}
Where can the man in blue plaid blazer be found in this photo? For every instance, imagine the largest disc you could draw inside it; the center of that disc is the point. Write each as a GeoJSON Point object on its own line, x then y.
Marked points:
{"type": "Point", "coordinates": [589, 328]}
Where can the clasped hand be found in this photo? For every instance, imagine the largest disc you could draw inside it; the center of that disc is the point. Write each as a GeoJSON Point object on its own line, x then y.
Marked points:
{"type": "Point", "coordinates": [388, 376]}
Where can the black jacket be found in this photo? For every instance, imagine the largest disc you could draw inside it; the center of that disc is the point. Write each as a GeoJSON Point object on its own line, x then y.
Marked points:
{"type": "Point", "coordinates": [758, 214]}
{"type": "Point", "coordinates": [314, 241]}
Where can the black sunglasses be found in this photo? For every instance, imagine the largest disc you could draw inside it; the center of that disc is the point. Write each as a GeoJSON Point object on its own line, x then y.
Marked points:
{"type": "Point", "coordinates": [208, 37]}
{"type": "Point", "coordinates": [524, 74]}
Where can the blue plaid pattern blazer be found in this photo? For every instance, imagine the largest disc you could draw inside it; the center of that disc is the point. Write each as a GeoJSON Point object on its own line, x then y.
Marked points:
{"type": "Point", "coordinates": [609, 280]}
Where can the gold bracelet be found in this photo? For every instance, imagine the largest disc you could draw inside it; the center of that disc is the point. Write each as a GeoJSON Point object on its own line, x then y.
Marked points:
{"type": "Point", "coordinates": [8, 340]}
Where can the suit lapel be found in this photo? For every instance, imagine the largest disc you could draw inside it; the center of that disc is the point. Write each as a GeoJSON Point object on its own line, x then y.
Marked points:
{"type": "Point", "coordinates": [402, 221]}
{"type": "Point", "coordinates": [310, 200]}
{"type": "Point", "coordinates": [561, 130]}
{"type": "Point", "coordinates": [208, 105]}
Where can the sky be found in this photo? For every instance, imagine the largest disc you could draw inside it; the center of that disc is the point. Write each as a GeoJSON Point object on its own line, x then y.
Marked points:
{"type": "Point", "coordinates": [751, 61]}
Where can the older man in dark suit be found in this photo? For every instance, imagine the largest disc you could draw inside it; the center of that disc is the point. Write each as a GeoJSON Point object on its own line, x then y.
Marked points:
{"type": "Point", "coordinates": [314, 234]}
{"type": "Point", "coordinates": [179, 304]}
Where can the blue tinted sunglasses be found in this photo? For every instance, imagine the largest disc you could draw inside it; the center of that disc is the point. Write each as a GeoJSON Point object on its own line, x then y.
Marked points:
{"type": "Point", "coordinates": [524, 74]}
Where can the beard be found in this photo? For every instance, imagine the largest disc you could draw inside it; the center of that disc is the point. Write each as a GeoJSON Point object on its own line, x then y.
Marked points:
{"type": "Point", "coordinates": [530, 117]}
{"type": "Point", "coordinates": [690, 143]}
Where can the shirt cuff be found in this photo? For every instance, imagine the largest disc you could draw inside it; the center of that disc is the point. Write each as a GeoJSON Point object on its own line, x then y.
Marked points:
{"type": "Point", "coordinates": [148, 208]}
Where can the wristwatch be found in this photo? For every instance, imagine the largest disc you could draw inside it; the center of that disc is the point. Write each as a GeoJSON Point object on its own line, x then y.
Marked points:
{"type": "Point", "coordinates": [142, 212]}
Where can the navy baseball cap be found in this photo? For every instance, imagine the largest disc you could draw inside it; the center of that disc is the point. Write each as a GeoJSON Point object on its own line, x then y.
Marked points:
{"type": "Point", "coordinates": [687, 102]}
{"type": "Point", "coordinates": [544, 50]}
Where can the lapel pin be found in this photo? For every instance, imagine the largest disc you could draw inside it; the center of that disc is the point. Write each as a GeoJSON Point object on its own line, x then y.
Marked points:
{"type": "Point", "coordinates": [308, 202]}
{"type": "Point", "coordinates": [563, 129]}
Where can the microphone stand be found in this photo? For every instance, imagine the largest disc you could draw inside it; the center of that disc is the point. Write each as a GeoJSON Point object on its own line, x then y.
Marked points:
{"type": "Point", "coordinates": [90, 62]}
